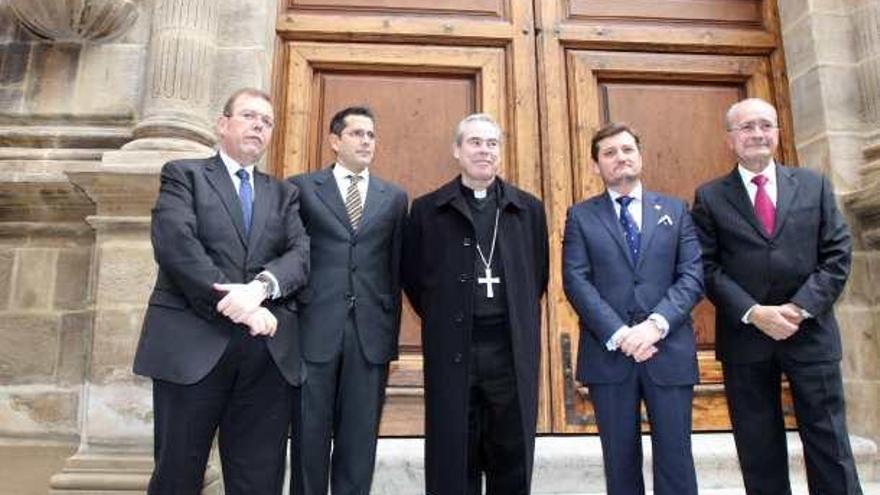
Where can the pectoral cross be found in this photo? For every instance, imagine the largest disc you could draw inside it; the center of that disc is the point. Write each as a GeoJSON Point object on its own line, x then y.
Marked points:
{"type": "Point", "coordinates": [489, 280]}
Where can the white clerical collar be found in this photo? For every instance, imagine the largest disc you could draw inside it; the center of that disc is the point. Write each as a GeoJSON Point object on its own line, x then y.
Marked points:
{"type": "Point", "coordinates": [769, 172]}
{"type": "Point", "coordinates": [635, 194]}
{"type": "Point", "coordinates": [232, 166]}
{"type": "Point", "coordinates": [341, 173]}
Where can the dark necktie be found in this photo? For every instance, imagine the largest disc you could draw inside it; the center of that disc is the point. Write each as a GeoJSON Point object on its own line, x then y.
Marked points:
{"type": "Point", "coordinates": [764, 209]}
{"type": "Point", "coordinates": [246, 198]}
{"type": "Point", "coordinates": [630, 229]}
{"type": "Point", "coordinates": [353, 204]}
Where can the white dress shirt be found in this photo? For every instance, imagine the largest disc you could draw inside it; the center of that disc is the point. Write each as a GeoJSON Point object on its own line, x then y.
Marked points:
{"type": "Point", "coordinates": [340, 173]}
{"type": "Point", "coordinates": [232, 168]}
{"type": "Point", "coordinates": [635, 212]}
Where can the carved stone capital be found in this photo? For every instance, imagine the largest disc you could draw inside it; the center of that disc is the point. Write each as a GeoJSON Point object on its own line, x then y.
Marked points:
{"type": "Point", "coordinates": [76, 20]}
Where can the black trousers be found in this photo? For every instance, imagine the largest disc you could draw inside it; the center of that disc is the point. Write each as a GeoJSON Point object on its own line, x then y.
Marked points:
{"type": "Point", "coordinates": [753, 397]}
{"type": "Point", "coordinates": [340, 404]}
{"type": "Point", "coordinates": [247, 398]}
{"type": "Point", "coordinates": [496, 446]}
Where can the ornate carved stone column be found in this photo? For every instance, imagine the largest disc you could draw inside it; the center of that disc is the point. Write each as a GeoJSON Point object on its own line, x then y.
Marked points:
{"type": "Point", "coordinates": [180, 69]}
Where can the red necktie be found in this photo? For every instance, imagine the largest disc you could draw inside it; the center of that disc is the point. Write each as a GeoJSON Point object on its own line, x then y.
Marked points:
{"type": "Point", "coordinates": [764, 208]}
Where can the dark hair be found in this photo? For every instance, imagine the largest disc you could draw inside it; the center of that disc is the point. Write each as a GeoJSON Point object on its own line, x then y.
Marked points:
{"type": "Point", "coordinates": [230, 102]}
{"type": "Point", "coordinates": [608, 130]}
{"type": "Point", "coordinates": [337, 123]}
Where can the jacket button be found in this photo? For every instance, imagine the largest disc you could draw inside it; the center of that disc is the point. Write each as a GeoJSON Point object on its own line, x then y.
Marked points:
{"type": "Point", "coordinates": [459, 317]}
{"type": "Point", "coordinates": [354, 268]}
{"type": "Point", "coordinates": [457, 357]}
{"type": "Point", "coordinates": [353, 241]}
{"type": "Point", "coordinates": [467, 241]}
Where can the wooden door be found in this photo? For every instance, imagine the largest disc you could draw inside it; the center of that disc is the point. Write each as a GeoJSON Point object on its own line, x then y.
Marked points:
{"type": "Point", "coordinates": [421, 65]}
{"type": "Point", "coordinates": [670, 69]}
{"type": "Point", "coordinates": [551, 71]}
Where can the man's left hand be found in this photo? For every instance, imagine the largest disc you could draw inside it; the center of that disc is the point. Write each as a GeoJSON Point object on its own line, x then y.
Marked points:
{"type": "Point", "coordinates": [240, 299]}
{"type": "Point", "coordinates": [638, 342]}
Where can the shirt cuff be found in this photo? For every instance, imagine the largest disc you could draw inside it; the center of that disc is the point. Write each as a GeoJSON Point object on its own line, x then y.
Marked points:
{"type": "Point", "coordinates": [745, 318]}
{"type": "Point", "coordinates": [614, 342]}
{"type": "Point", "coordinates": [661, 322]}
{"type": "Point", "coordinates": [274, 288]}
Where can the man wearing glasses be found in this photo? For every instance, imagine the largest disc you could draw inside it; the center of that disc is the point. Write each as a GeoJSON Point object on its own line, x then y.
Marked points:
{"type": "Point", "coordinates": [219, 337]}
{"type": "Point", "coordinates": [349, 312]}
{"type": "Point", "coordinates": [776, 256]}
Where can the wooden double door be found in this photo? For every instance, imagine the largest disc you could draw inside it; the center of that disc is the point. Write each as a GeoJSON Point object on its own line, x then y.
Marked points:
{"type": "Point", "coordinates": [551, 71]}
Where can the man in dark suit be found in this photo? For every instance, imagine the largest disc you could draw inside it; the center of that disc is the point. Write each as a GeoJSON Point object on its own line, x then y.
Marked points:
{"type": "Point", "coordinates": [350, 311]}
{"type": "Point", "coordinates": [219, 337]}
{"type": "Point", "coordinates": [631, 270]}
{"type": "Point", "coordinates": [777, 253]}
{"type": "Point", "coordinates": [475, 269]}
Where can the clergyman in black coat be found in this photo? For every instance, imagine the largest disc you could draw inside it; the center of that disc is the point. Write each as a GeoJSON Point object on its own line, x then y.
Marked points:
{"type": "Point", "coordinates": [776, 256]}
{"type": "Point", "coordinates": [220, 335]}
{"type": "Point", "coordinates": [475, 269]}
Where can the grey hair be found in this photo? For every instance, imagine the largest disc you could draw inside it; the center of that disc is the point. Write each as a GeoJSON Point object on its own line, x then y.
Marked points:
{"type": "Point", "coordinates": [728, 116]}
{"type": "Point", "coordinates": [475, 117]}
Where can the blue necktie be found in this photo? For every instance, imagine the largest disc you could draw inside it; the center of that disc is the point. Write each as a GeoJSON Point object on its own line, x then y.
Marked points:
{"type": "Point", "coordinates": [630, 230]}
{"type": "Point", "coordinates": [246, 198]}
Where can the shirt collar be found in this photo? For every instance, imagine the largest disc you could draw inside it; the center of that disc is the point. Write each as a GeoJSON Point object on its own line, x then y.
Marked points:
{"type": "Point", "coordinates": [232, 166]}
{"type": "Point", "coordinates": [340, 172]}
{"type": "Point", "coordinates": [769, 172]}
{"type": "Point", "coordinates": [635, 194]}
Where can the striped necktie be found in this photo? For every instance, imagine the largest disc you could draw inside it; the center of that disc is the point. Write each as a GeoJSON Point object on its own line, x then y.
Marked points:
{"type": "Point", "coordinates": [353, 204]}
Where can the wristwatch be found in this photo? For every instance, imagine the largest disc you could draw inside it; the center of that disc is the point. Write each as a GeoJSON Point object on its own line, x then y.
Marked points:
{"type": "Point", "coordinates": [266, 282]}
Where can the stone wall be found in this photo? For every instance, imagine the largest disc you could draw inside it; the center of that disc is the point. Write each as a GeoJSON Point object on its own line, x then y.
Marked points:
{"type": "Point", "coordinates": [832, 49]}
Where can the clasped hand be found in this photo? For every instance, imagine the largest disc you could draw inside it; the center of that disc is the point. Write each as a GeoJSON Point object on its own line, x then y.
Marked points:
{"type": "Point", "coordinates": [638, 341]}
{"type": "Point", "coordinates": [778, 322]}
{"type": "Point", "coordinates": [242, 304]}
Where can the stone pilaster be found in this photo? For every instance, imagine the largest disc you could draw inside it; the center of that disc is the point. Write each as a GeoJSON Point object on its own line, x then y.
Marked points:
{"type": "Point", "coordinates": [180, 70]}
{"type": "Point", "coordinates": [115, 452]}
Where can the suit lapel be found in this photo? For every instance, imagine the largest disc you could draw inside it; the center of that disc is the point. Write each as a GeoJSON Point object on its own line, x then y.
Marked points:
{"type": "Point", "coordinates": [261, 207]}
{"type": "Point", "coordinates": [604, 211]}
{"type": "Point", "coordinates": [786, 191]}
{"type": "Point", "coordinates": [736, 194]}
{"type": "Point", "coordinates": [328, 192]}
{"type": "Point", "coordinates": [651, 211]}
{"type": "Point", "coordinates": [377, 196]}
{"type": "Point", "coordinates": [218, 177]}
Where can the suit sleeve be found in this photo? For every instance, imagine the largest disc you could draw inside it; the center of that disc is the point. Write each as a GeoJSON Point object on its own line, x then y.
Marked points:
{"type": "Point", "coordinates": [825, 284]}
{"type": "Point", "coordinates": [400, 221]}
{"type": "Point", "coordinates": [687, 290]}
{"type": "Point", "coordinates": [176, 246]}
{"type": "Point", "coordinates": [291, 269]}
{"type": "Point", "coordinates": [577, 267]}
{"type": "Point", "coordinates": [412, 259]}
{"type": "Point", "coordinates": [721, 289]}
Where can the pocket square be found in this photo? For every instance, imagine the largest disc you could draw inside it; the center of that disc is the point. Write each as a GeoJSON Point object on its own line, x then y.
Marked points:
{"type": "Point", "coordinates": [665, 220]}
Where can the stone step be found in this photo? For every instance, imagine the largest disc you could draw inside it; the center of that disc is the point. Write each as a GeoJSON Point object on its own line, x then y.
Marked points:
{"type": "Point", "coordinates": [572, 465]}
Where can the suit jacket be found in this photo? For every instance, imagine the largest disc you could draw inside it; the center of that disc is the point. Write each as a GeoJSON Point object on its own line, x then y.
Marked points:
{"type": "Point", "coordinates": [351, 270]}
{"type": "Point", "coordinates": [806, 261]}
{"type": "Point", "coordinates": [198, 240]}
{"type": "Point", "coordinates": [608, 290]}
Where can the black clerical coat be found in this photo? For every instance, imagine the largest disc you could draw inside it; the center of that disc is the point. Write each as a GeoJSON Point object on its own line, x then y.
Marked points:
{"type": "Point", "coordinates": [439, 257]}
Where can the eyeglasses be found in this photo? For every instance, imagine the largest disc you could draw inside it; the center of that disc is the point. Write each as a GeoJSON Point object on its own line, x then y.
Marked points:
{"type": "Point", "coordinates": [755, 125]}
{"type": "Point", "coordinates": [252, 117]}
{"type": "Point", "coordinates": [361, 134]}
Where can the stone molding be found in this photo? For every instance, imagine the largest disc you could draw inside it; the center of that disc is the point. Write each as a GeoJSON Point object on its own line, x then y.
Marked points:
{"type": "Point", "coordinates": [180, 70]}
{"type": "Point", "coordinates": [76, 20]}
